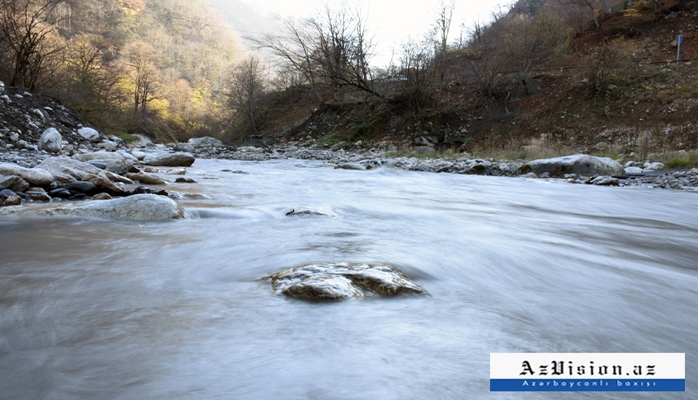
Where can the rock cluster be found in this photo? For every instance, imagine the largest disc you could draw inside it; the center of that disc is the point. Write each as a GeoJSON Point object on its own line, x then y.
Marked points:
{"type": "Point", "coordinates": [339, 281]}
{"type": "Point", "coordinates": [116, 178]}
{"type": "Point", "coordinates": [579, 168]}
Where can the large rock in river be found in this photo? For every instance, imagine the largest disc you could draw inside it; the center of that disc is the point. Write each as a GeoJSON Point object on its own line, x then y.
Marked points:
{"type": "Point", "coordinates": [337, 281]}
{"type": "Point", "coordinates": [580, 164]}
{"type": "Point", "coordinates": [140, 207]}
{"type": "Point", "coordinates": [172, 160]}
{"type": "Point", "coordinates": [34, 176]}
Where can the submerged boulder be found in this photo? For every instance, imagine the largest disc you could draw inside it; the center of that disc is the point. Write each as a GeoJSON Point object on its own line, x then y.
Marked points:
{"type": "Point", "coordinates": [338, 281]}
{"type": "Point", "coordinates": [350, 166]}
{"type": "Point", "coordinates": [605, 181]}
{"type": "Point", "coordinates": [580, 164]}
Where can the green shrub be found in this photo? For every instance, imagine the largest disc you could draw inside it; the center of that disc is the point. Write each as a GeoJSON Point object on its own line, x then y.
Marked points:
{"type": "Point", "coordinates": [676, 160]}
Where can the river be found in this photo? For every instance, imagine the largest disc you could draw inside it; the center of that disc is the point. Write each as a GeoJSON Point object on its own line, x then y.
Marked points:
{"type": "Point", "coordinates": [174, 310]}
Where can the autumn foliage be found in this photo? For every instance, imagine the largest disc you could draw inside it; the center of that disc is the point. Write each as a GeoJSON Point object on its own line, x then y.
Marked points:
{"type": "Point", "coordinates": [128, 66]}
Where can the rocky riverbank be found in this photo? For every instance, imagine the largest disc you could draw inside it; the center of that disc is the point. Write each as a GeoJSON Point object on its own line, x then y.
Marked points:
{"type": "Point", "coordinates": [118, 170]}
{"type": "Point", "coordinates": [49, 154]}
{"type": "Point", "coordinates": [601, 171]}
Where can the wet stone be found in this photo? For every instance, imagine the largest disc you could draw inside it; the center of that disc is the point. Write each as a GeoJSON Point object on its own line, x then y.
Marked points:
{"type": "Point", "coordinates": [305, 212]}
{"type": "Point", "coordinates": [83, 187]}
{"type": "Point", "coordinates": [185, 180]}
{"type": "Point", "coordinates": [141, 190]}
{"type": "Point", "coordinates": [338, 281]}
{"type": "Point", "coordinates": [102, 196]}
{"type": "Point", "coordinates": [62, 193]}
{"type": "Point", "coordinates": [14, 183]}
{"type": "Point", "coordinates": [38, 195]}
{"type": "Point", "coordinates": [98, 164]}
{"type": "Point", "coordinates": [9, 200]}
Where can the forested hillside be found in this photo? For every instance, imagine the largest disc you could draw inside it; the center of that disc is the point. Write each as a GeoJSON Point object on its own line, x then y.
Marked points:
{"type": "Point", "coordinates": [152, 66]}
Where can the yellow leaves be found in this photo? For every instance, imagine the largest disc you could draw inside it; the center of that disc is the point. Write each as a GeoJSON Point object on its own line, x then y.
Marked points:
{"type": "Point", "coordinates": [200, 95]}
{"type": "Point", "coordinates": [160, 106]}
{"type": "Point", "coordinates": [132, 7]}
{"type": "Point", "coordinates": [125, 88]}
{"type": "Point", "coordinates": [634, 11]}
{"type": "Point", "coordinates": [125, 84]}
{"type": "Point", "coordinates": [176, 122]}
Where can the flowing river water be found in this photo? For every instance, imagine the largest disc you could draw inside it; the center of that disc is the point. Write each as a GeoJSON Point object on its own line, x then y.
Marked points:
{"type": "Point", "coordinates": [174, 310]}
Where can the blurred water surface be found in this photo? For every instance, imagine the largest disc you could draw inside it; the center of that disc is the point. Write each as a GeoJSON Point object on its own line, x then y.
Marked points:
{"type": "Point", "coordinates": [126, 310]}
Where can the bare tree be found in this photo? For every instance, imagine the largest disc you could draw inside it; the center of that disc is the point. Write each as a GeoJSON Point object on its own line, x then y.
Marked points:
{"type": "Point", "coordinates": [295, 49]}
{"type": "Point", "coordinates": [28, 42]}
{"type": "Point", "coordinates": [141, 62]}
{"type": "Point", "coordinates": [477, 33]}
{"type": "Point", "coordinates": [91, 74]}
{"type": "Point", "coordinates": [600, 66]}
{"type": "Point", "coordinates": [532, 42]}
{"type": "Point", "coordinates": [247, 85]}
{"type": "Point", "coordinates": [486, 60]}
{"type": "Point", "coordinates": [344, 47]}
{"type": "Point", "coordinates": [332, 49]}
{"type": "Point", "coordinates": [590, 9]}
{"type": "Point", "coordinates": [417, 73]}
{"type": "Point", "coordinates": [444, 15]}
{"type": "Point", "coordinates": [84, 57]}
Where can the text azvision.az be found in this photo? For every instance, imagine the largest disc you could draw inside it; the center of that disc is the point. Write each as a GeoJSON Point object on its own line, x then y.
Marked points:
{"type": "Point", "coordinates": [557, 368]}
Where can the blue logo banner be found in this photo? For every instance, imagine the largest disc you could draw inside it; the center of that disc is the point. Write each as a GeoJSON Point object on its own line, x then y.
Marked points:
{"type": "Point", "coordinates": [587, 385]}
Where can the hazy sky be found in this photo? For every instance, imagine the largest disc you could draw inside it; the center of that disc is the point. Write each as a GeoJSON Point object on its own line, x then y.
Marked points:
{"type": "Point", "coordinates": [392, 21]}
